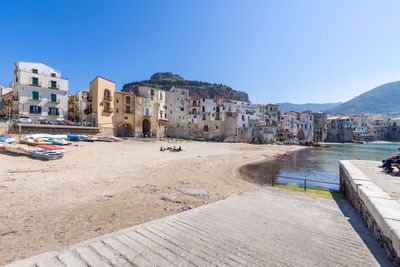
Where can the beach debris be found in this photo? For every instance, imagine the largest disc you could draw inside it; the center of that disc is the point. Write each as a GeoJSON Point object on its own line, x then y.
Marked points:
{"type": "Point", "coordinates": [179, 208]}
{"type": "Point", "coordinates": [7, 233]}
{"type": "Point", "coordinates": [97, 229]}
{"type": "Point", "coordinates": [155, 189]}
{"type": "Point", "coordinates": [204, 202]}
{"type": "Point", "coordinates": [200, 193]}
{"type": "Point", "coordinates": [184, 182]}
{"type": "Point", "coordinates": [171, 198]}
{"type": "Point", "coordinates": [109, 195]}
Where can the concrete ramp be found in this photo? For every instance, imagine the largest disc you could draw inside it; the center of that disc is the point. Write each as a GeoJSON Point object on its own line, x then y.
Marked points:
{"type": "Point", "coordinates": [265, 228]}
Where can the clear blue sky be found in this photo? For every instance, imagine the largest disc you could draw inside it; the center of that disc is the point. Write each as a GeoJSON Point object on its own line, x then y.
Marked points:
{"type": "Point", "coordinates": [276, 51]}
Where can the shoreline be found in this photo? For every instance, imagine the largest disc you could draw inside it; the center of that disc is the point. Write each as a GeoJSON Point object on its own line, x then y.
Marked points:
{"type": "Point", "coordinates": [242, 171]}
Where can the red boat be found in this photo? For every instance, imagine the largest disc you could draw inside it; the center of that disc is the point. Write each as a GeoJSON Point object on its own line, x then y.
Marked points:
{"type": "Point", "coordinates": [53, 148]}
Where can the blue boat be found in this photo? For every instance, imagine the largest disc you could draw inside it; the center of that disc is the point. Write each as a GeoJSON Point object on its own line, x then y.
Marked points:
{"type": "Point", "coordinates": [73, 137]}
{"type": "Point", "coordinates": [6, 138]}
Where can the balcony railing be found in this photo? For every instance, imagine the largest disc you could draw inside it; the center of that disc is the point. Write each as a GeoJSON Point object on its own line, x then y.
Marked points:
{"type": "Point", "coordinates": [87, 111]}
{"type": "Point", "coordinates": [109, 98]}
{"type": "Point", "coordinates": [57, 101]}
{"type": "Point", "coordinates": [35, 99]}
{"type": "Point", "coordinates": [109, 110]}
{"type": "Point", "coordinates": [128, 111]}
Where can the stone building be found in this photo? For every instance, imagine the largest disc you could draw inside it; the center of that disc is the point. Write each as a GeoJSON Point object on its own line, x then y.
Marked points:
{"type": "Point", "coordinates": [100, 104]}
{"type": "Point", "coordinates": [77, 105]}
{"type": "Point", "coordinates": [340, 129]}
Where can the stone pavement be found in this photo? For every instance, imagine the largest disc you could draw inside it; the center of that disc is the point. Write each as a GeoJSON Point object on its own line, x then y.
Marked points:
{"type": "Point", "coordinates": [270, 227]}
{"type": "Point", "coordinates": [388, 183]}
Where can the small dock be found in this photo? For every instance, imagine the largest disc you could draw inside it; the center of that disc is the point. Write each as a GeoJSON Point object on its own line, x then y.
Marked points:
{"type": "Point", "coordinates": [269, 227]}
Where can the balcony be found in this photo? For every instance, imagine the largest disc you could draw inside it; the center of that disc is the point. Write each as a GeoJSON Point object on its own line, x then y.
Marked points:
{"type": "Point", "coordinates": [37, 100]}
{"type": "Point", "coordinates": [109, 98]}
{"type": "Point", "coordinates": [87, 111]}
{"type": "Point", "coordinates": [109, 110]}
{"type": "Point", "coordinates": [196, 105]}
{"type": "Point", "coordinates": [128, 111]}
{"type": "Point", "coordinates": [89, 98]}
{"type": "Point", "coordinates": [36, 85]}
{"type": "Point", "coordinates": [57, 101]}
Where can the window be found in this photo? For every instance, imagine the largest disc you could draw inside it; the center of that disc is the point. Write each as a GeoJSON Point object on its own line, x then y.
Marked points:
{"type": "Point", "coordinates": [206, 128]}
{"type": "Point", "coordinates": [35, 71]}
{"type": "Point", "coordinates": [183, 92]}
{"type": "Point", "coordinates": [53, 75]}
{"type": "Point", "coordinates": [204, 117]}
{"type": "Point", "coordinates": [53, 111]}
{"type": "Point", "coordinates": [128, 100]}
{"type": "Point", "coordinates": [128, 109]}
{"type": "Point", "coordinates": [216, 127]}
{"type": "Point", "coordinates": [217, 109]}
{"type": "Point", "coordinates": [147, 112]}
{"type": "Point", "coordinates": [161, 96]}
{"type": "Point", "coordinates": [182, 109]}
{"type": "Point", "coordinates": [151, 92]}
{"type": "Point", "coordinates": [125, 118]}
{"type": "Point", "coordinates": [242, 117]}
{"type": "Point", "coordinates": [35, 95]}
{"type": "Point", "coordinates": [117, 110]}
{"type": "Point", "coordinates": [203, 109]}
{"type": "Point", "coordinates": [35, 110]}
{"type": "Point", "coordinates": [35, 81]}
{"type": "Point", "coordinates": [53, 98]}
{"type": "Point", "coordinates": [106, 106]}
{"type": "Point", "coordinates": [106, 94]}
{"type": "Point", "coordinates": [53, 84]}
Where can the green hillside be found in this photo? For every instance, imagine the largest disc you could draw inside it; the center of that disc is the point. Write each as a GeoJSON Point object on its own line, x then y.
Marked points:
{"type": "Point", "coordinates": [166, 80]}
{"type": "Point", "coordinates": [384, 99]}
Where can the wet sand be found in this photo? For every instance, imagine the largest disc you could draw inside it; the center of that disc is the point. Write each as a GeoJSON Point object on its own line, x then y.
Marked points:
{"type": "Point", "coordinates": [99, 187]}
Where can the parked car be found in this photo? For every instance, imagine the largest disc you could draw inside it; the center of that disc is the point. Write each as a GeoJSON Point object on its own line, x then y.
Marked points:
{"type": "Point", "coordinates": [58, 122]}
{"type": "Point", "coordinates": [24, 119]}
{"type": "Point", "coordinates": [47, 122]}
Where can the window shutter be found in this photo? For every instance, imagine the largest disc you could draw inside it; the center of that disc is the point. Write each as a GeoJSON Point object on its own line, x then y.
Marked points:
{"type": "Point", "coordinates": [31, 109]}
{"type": "Point", "coordinates": [39, 110]}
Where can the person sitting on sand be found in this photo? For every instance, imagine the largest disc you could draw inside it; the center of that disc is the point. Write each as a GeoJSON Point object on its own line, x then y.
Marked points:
{"type": "Point", "coordinates": [180, 148]}
{"type": "Point", "coordinates": [161, 149]}
{"type": "Point", "coordinates": [387, 163]}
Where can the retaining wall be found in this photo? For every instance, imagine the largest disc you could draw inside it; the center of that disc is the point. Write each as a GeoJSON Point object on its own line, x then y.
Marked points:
{"type": "Point", "coordinates": [380, 211]}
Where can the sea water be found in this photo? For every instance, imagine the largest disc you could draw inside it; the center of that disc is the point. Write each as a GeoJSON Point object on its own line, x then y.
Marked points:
{"type": "Point", "coordinates": [322, 163]}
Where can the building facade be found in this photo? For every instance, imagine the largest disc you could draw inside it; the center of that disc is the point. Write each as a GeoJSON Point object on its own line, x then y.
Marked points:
{"type": "Point", "coordinates": [39, 92]}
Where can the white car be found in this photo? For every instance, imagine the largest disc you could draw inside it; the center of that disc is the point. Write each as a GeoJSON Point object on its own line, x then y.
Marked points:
{"type": "Point", "coordinates": [24, 119]}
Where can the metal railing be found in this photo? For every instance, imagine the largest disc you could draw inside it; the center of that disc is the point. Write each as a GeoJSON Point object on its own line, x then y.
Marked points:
{"type": "Point", "coordinates": [304, 181]}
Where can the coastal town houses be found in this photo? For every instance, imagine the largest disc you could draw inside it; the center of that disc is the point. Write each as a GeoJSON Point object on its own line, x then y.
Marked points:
{"type": "Point", "coordinates": [39, 92]}
{"type": "Point", "coordinates": [5, 102]}
{"type": "Point", "coordinates": [76, 107]}
{"type": "Point", "coordinates": [298, 125]}
{"type": "Point", "coordinates": [124, 113]}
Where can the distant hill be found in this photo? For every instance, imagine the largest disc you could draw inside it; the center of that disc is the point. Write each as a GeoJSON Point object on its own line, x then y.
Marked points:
{"type": "Point", "coordinates": [286, 107]}
{"type": "Point", "coordinates": [166, 80]}
{"type": "Point", "coordinates": [384, 99]}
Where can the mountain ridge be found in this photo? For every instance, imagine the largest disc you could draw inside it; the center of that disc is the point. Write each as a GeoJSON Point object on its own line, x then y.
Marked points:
{"type": "Point", "coordinates": [314, 107]}
{"type": "Point", "coordinates": [166, 80]}
{"type": "Point", "coordinates": [383, 99]}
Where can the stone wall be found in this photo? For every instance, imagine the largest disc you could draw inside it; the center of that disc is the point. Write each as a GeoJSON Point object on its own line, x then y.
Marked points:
{"type": "Point", "coordinates": [51, 129]}
{"type": "Point", "coordinates": [379, 211]}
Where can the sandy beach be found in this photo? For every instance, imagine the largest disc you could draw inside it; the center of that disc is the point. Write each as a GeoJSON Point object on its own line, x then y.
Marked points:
{"type": "Point", "coordinates": [98, 188]}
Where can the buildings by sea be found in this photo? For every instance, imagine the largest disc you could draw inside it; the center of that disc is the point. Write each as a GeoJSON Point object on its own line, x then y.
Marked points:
{"type": "Point", "coordinates": [38, 93]}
